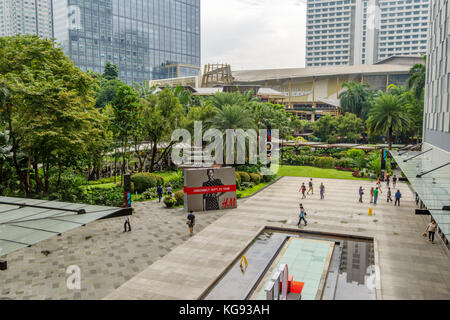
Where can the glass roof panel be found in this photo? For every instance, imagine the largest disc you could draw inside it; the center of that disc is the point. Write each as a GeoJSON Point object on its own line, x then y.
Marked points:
{"type": "Point", "coordinates": [433, 188]}
{"type": "Point", "coordinates": [21, 226]}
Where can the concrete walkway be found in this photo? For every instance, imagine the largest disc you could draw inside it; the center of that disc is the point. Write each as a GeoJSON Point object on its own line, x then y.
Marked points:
{"type": "Point", "coordinates": [410, 266]}
{"type": "Point", "coordinates": [107, 257]}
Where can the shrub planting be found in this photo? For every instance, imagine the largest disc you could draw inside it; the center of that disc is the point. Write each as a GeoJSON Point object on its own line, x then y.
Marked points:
{"type": "Point", "coordinates": [143, 181]}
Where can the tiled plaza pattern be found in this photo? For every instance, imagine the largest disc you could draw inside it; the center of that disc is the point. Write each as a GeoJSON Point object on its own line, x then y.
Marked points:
{"type": "Point", "coordinates": [410, 266]}
{"type": "Point", "coordinates": [106, 256]}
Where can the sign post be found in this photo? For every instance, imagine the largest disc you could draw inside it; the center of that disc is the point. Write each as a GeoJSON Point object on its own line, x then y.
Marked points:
{"type": "Point", "coordinates": [127, 190]}
{"type": "Point", "coordinates": [383, 163]}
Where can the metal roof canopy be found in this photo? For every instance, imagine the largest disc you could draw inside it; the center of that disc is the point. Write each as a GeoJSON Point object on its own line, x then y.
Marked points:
{"type": "Point", "coordinates": [433, 187]}
{"type": "Point", "coordinates": [26, 222]}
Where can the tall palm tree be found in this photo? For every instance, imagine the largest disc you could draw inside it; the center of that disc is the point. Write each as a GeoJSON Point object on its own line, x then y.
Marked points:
{"type": "Point", "coordinates": [222, 99]}
{"type": "Point", "coordinates": [356, 98]}
{"type": "Point", "coordinates": [388, 115]}
{"type": "Point", "coordinates": [233, 117]}
{"type": "Point", "coordinates": [143, 90]}
{"type": "Point", "coordinates": [417, 79]}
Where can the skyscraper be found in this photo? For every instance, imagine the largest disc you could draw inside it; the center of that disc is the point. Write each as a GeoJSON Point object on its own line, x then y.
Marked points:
{"type": "Point", "coordinates": [437, 97]}
{"type": "Point", "coordinates": [145, 38]}
{"type": "Point", "coordinates": [354, 32]}
{"type": "Point", "coordinates": [26, 17]}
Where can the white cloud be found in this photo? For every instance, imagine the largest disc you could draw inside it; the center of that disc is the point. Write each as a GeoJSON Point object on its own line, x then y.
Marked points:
{"type": "Point", "coordinates": [254, 34]}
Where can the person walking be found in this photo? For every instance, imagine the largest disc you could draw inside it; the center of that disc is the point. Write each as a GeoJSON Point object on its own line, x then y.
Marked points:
{"type": "Point", "coordinates": [371, 176]}
{"type": "Point", "coordinates": [302, 216]}
{"type": "Point", "coordinates": [398, 196]}
{"type": "Point", "coordinates": [303, 190]}
{"type": "Point", "coordinates": [311, 189]}
{"type": "Point", "coordinates": [379, 185]}
{"type": "Point", "coordinates": [191, 222]}
{"type": "Point", "coordinates": [371, 194]}
{"type": "Point", "coordinates": [431, 229]}
{"type": "Point", "coordinates": [375, 195]}
{"type": "Point", "coordinates": [389, 195]}
{"type": "Point", "coordinates": [322, 191]}
{"type": "Point", "coordinates": [127, 223]}
{"type": "Point", "coordinates": [361, 193]}
{"type": "Point", "coordinates": [169, 191]}
{"type": "Point", "coordinates": [159, 190]}
{"type": "Point", "coordinates": [394, 181]}
{"type": "Point", "coordinates": [417, 199]}
{"type": "Point", "coordinates": [388, 180]}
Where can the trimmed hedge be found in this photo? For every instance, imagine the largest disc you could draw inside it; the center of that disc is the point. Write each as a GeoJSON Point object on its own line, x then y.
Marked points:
{"type": "Point", "coordinates": [325, 162]}
{"type": "Point", "coordinates": [238, 179]}
{"type": "Point", "coordinates": [144, 181]}
{"type": "Point", "coordinates": [255, 178]}
{"type": "Point", "coordinates": [268, 178]}
{"type": "Point", "coordinates": [245, 177]}
{"type": "Point", "coordinates": [343, 162]}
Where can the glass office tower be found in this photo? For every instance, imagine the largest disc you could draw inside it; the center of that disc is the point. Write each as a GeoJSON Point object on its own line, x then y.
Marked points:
{"type": "Point", "coordinates": [145, 38]}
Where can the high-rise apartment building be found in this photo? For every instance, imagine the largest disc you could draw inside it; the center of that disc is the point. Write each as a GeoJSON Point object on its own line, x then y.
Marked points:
{"type": "Point", "coordinates": [437, 96]}
{"type": "Point", "coordinates": [354, 32]}
{"type": "Point", "coordinates": [26, 17]}
{"type": "Point", "coordinates": [145, 38]}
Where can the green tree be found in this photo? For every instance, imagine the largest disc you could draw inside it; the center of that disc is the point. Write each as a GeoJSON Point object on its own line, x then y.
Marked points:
{"type": "Point", "coordinates": [326, 128]}
{"type": "Point", "coordinates": [111, 71]}
{"type": "Point", "coordinates": [49, 111]}
{"type": "Point", "coordinates": [143, 90]}
{"type": "Point", "coordinates": [417, 79]}
{"type": "Point", "coordinates": [126, 119]}
{"type": "Point", "coordinates": [350, 127]}
{"type": "Point", "coordinates": [356, 99]}
{"type": "Point", "coordinates": [388, 116]}
{"type": "Point", "coordinates": [202, 113]}
{"type": "Point", "coordinates": [414, 108]}
{"type": "Point", "coordinates": [162, 114]}
{"type": "Point", "coordinates": [233, 117]}
{"type": "Point", "coordinates": [107, 92]}
{"type": "Point", "coordinates": [268, 114]}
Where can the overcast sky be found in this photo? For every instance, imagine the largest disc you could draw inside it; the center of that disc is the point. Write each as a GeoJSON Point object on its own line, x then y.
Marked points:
{"type": "Point", "coordinates": [254, 34]}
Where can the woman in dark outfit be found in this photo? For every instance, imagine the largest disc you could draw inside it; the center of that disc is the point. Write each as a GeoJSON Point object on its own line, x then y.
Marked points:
{"type": "Point", "coordinates": [211, 200]}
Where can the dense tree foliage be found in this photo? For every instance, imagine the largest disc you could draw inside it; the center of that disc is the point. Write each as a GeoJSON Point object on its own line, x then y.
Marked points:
{"type": "Point", "coordinates": [356, 99]}
{"type": "Point", "coordinates": [60, 126]}
{"type": "Point", "coordinates": [388, 116]}
{"type": "Point", "coordinates": [47, 109]}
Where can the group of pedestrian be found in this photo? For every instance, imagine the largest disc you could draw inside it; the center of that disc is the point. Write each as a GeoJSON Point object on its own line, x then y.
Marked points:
{"type": "Point", "coordinates": [190, 222]}
{"type": "Point", "coordinates": [311, 189]}
{"type": "Point", "coordinates": [160, 192]}
{"type": "Point", "coordinates": [377, 190]}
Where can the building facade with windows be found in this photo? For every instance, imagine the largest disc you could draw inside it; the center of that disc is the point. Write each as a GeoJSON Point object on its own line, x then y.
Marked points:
{"type": "Point", "coordinates": [428, 168]}
{"type": "Point", "coordinates": [437, 97]}
{"type": "Point", "coordinates": [145, 38]}
{"type": "Point", "coordinates": [26, 17]}
{"type": "Point", "coordinates": [355, 32]}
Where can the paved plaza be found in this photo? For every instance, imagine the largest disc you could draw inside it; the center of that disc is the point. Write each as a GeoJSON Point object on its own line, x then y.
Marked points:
{"type": "Point", "coordinates": [106, 256]}
{"type": "Point", "coordinates": [408, 266]}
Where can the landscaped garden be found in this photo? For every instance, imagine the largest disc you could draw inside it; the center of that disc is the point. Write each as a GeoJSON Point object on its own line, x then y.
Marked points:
{"type": "Point", "coordinates": [71, 135]}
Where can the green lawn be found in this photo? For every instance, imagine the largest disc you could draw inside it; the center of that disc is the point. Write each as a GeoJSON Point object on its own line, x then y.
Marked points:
{"type": "Point", "coordinates": [250, 191]}
{"type": "Point", "coordinates": [312, 172]}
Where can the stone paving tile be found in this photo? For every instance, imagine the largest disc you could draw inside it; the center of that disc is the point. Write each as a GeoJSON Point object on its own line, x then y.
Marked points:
{"type": "Point", "coordinates": [106, 256]}
{"type": "Point", "coordinates": [402, 249]}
